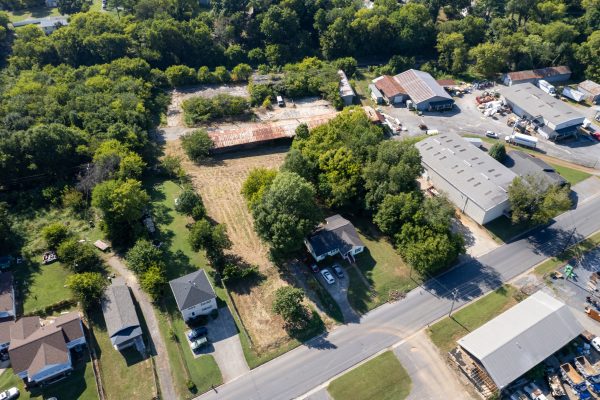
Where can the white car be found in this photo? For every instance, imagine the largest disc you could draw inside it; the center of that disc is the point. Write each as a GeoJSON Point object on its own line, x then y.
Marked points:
{"type": "Point", "coordinates": [491, 134]}
{"type": "Point", "coordinates": [596, 343]}
{"type": "Point", "coordinates": [327, 276]}
{"type": "Point", "coordinates": [9, 394]}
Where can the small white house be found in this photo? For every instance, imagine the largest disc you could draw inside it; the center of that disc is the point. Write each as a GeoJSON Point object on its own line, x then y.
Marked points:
{"type": "Point", "coordinates": [194, 295]}
{"type": "Point", "coordinates": [336, 236]}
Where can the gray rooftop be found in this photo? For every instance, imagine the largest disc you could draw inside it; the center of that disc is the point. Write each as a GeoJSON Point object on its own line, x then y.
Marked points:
{"type": "Point", "coordinates": [525, 164]}
{"type": "Point", "coordinates": [522, 337]}
{"type": "Point", "coordinates": [420, 86]}
{"type": "Point", "coordinates": [345, 87]}
{"type": "Point", "coordinates": [192, 289]}
{"type": "Point", "coordinates": [122, 322]}
{"type": "Point", "coordinates": [472, 171]}
{"type": "Point", "coordinates": [336, 233]}
{"type": "Point", "coordinates": [537, 103]}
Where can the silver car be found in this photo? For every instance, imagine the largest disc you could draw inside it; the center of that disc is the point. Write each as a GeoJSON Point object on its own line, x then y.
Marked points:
{"type": "Point", "coordinates": [327, 276]}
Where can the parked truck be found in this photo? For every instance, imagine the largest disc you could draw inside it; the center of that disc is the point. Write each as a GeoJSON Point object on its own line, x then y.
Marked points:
{"type": "Point", "coordinates": [573, 94]}
{"type": "Point", "coordinates": [523, 140]}
{"type": "Point", "coordinates": [575, 380]}
{"type": "Point", "coordinates": [586, 369]}
{"type": "Point", "coordinates": [547, 87]}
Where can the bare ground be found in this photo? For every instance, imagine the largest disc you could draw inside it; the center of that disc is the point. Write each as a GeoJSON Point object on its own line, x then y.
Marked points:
{"type": "Point", "coordinates": [220, 184]}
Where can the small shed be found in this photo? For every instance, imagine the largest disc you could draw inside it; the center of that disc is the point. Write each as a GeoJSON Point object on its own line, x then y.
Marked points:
{"type": "Point", "coordinates": [591, 90]}
{"type": "Point", "coordinates": [101, 245]}
{"type": "Point", "coordinates": [375, 94]}
{"type": "Point", "coordinates": [346, 91]}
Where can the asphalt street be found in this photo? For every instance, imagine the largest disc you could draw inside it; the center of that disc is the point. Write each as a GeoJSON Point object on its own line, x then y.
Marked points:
{"type": "Point", "coordinates": [298, 371]}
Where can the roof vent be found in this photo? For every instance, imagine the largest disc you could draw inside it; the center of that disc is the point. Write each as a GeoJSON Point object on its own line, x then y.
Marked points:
{"type": "Point", "coordinates": [485, 176]}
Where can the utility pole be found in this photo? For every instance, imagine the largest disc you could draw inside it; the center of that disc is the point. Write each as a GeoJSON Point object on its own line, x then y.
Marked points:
{"type": "Point", "coordinates": [454, 294]}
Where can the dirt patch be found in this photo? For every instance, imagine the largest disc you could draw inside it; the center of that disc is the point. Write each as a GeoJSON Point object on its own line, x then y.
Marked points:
{"type": "Point", "coordinates": [220, 184]}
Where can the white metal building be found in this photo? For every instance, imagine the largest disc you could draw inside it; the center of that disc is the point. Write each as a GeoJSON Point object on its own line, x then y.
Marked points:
{"type": "Point", "coordinates": [424, 91]}
{"type": "Point", "coordinates": [531, 102]}
{"type": "Point", "coordinates": [519, 339]}
{"type": "Point", "coordinates": [475, 182]}
{"type": "Point", "coordinates": [346, 91]}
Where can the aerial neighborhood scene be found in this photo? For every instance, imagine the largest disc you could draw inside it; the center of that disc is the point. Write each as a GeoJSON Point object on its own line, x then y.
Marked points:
{"type": "Point", "coordinates": [300, 199]}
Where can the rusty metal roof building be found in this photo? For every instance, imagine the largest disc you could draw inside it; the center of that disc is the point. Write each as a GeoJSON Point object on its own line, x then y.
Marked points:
{"type": "Point", "coordinates": [389, 86]}
{"type": "Point", "coordinates": [551, 74]}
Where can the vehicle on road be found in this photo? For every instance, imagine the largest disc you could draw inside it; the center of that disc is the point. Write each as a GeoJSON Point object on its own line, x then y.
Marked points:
{"type": "Point", "coordinates": [327, 276]}
{"type": "Point", "coordinates": [492, 135]}
{"type": "Point", "coordinates": [314, 268]}
{"type": "Point", "coordinates": [199, 343]}
{"type": "Point", "coordinates": [197, 332]}
{"type": "Point", "coordinates": [338, 270]}
{"type": "Point", "coordinates": [9, 394]}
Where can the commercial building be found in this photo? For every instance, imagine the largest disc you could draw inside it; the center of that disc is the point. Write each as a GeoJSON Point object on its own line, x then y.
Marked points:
{"type": "Point", "coordinates": [559, 119]}
{"type": "Point", "coordinates": [591, 90]}
{"type": "Point", "coordinates": [517, 340]}
{"type": "Point", "coordinates": [551, 74]}
{"type": "Point", "coordinates": [122, 323]}
{"type": "Point", "coordinates": [390, 89]}
{"type": "Point", "coordinates": [475, 182]}
{"type": "Point", "coordinates": [336, 236]}
{"type": "Point", "coordinates": [194, 295]}
{"type": "Point", "coordinates": [346, 91]}
{"type": "Point", "coordinates": [524, 164]}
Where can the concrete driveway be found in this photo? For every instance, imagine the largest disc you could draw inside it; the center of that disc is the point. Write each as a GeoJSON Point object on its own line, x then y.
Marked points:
{"type": "Point", "coordinates": [432, 378]}
{"type": "Point", "coordinates": [225, 346]}
{"type": "Point", "coordinates": [339, 292]}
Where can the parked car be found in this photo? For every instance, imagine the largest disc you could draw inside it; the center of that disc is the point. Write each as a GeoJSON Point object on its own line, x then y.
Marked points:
{"type": "Point", "coordinates": [338, 270]}
{"type": "Point", "coordinates": [491, 134]}
{"type": "Point", "coordinates": [314, 268]}
{"type": "Point", "coordinates": [9, 394]}
{"type": "Point", "coordinates": [199, 343]}
{"type": "Point", "coordinates": [280, 101]}
{"type": "Point", "coordinates": [197, 332]}
{"type": "Point", "coordinates": [596, 343]}
{"type": "Point", "coordinates": [327, 276]}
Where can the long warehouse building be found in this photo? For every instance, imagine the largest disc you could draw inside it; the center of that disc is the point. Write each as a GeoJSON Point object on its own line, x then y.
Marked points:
{"type": "Point", "coordinates": [475, 182]}
{"type": "Point", "coordinates": [528, 101]}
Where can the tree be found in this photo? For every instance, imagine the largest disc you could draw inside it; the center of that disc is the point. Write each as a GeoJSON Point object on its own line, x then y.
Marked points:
{"type": "Point", "coordinates": [396, 210]}
{"type": "Point", "coordinates": [222, 75]}
{"type": "Point", "coordinates": [172, 167]}
{"type": "Point", "coordinates": [190, 203]}
{"type": "Point", "coordinates": [241, 72]}
{"type": "Point", "coordinates": [200, 235]}
{"type": "Point", "coordinates": [87, 287]}
{"type": "Point", "coordinates": [68, 7]}
{"type": "Point", "coordinates": [258, 181]}
{"type": "Point", "coordinates": [153, 280]}
{"type": "Point", "coordinates": [498, 151]}
{"type": "Point", "coordinates": [213, 239]}
{"type": "Point", "coordinates": [142, 256]}
{"type": "Point", "coordinates": [490, 58]}
{"type": "Point", "coordinates": [78, 257]}
{"type": "Point", "coordinates": [180, 75]}
{"type": "Point", "coordinates": [197, 145]}
{"type": "Point", "coordinates": [286, 213]}
{"type": "Point", "coordinates": [340, 179]}
{"type": "Point", "coordinates": [295, 162]}
{"type": "Point", "coordinates": [73, 199]}
{"type": "Point", "coordinates": [288, 304]}
{"type": "Point", "coordinates": [54, 234]}
{"type": "Point", "coordinates": [346, 64]}
{"type": "Point", "coordinates": [534, 200]}
{"type": "Point", "coordinates": [6, 232]}
{"type": "Point", "coordinates": [452, 51]}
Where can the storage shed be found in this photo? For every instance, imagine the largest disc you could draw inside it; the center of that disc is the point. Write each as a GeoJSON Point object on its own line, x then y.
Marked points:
{"type": "Point", "coordinates": [551, 74]}
{"type": "Point", "coordinates": [591, 90]}
{"type": "Point", "coordinates": [346, 91]}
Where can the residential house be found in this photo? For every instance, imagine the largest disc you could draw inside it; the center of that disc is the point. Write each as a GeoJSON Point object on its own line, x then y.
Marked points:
{"type": "Point", "coordinates": [194, 295]}
{"type": "Point", "coordinates": [551, 74]}
{"type": "Point", "coordinates": [41, 353]}
{"type": "Point", "coordinates": [591, 90]}
{"type": "Point", "coordinates": [336, 236]}
{"type": "Point", "coordinates": [122, 323]}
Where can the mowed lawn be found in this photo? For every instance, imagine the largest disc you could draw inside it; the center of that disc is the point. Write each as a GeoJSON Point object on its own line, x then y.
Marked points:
{"type": "Point", "coordinates": [125, 375]}
{"type": "Point", "coordinates": [572, 176]}
{"type": "Point", "coordinates": [382, 378]}
{"type": "Point", "coordinates": [383, 268]}
{"type": "Point", "coordinates": [36, 12]}
{"type": "Point", "coordinates": [42, 285]}
{"type": "Point", "coordinates": [446, 332]}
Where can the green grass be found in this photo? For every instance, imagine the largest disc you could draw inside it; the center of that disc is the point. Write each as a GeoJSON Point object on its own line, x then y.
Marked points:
{"type": "Point", "coordinates": [572, 176]}
{"type": "Point", "coordinates": [554, 263]}
{"type": "Point", "coordinates": [79, 385]}
{"type": "Point", "coordinates": [382, 378]}
{"type": "Point", "coordinates": [503, 230]}
{"type": "Point", "coordinates": [383, 268]}
{"type": "Point", "coordinates": [446, 332]}
{"type": "Point", "coordinates": [37, 12]}
{"type": "Point", "coordinates": [42, 285]}
{"type": "Point", "coordinates": [361, 85]}
{"type": "Point", "coordinates": [124, 374]}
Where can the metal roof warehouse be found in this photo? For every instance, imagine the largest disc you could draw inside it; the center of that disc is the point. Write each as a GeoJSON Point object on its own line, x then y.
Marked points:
{"type": "Point", "coordinates": [519, 339]}
{"type": "Point", "coordinates": [473, 181]}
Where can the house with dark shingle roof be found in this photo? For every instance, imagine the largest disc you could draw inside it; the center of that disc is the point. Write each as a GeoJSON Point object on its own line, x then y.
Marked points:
{"type": "Point", "coordinates": [336, 236]}
{"type": "Point", "coordinates": [40, 353]}
{"type": "Point", "coordinates": [122, 323]}
{"type": "Point", "coordinates": [194, 295]}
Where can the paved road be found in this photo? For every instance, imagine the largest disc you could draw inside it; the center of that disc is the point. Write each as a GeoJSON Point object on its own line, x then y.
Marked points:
{"type": "Point", "coordinates": [163, 369]}
{"type": "Point", "coordinates": [298, 371]}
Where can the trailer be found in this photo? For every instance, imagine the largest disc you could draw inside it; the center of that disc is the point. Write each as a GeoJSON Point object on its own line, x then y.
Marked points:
{"type": "Point", "coordinates": [523, 140]}
{"type": "Point", "coordinates": [573, 94]}
{"type": "Point", "coordinates": [587, 369]}
{"type": "Point", "coordinates": [593, 314]}
{"type": "Point", "coordinates": [547, 87]}
{"type": "Point", "coordinates": [576, 381]}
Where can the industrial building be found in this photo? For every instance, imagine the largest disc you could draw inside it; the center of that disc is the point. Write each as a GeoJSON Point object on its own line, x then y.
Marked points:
{"type": "Point", "coordinates": [551, 74]}
{"type": "Point", "coordinates": [517, 340]}
{"type": "Point", "coordinates": [591, 90]}
{"type": "Point", "coordinates": [419, 87]}
{"type": "Point", "coordinates": [557, 118]}
{"type": "Point", "coordinates": [524, 164]}
{"type": "Point", "coordinates": [475, 182]}
{"type": "Point", "coordinates": [346, 91]}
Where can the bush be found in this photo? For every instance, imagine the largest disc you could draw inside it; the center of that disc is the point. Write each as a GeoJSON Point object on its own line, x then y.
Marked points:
{"type": "Point", "coordinates": [54, 234]}
{"type": "Point", "coordinates": [200, 109]}
{"type": "Point", "coordinates": [153, 280]}
{"type": "Point", "coordinates": [234, 272]}
{"type": "Point", "coordinates": [191, 386]}
{"type": "Point", "coordinates": [78, 257]}
{"type": "Point", "coordinates": [204, 75]}
{"type": "Point", "coordinates": [222, 75]}
{"type": "Point", "coordinates": [197, 145]}
{"type": "Point", "coordinates": [498, 151]}
{"type": "Point", "coordinates": [260, 93]}
{"type": "Point", "coordinates": [241, 72]}
{"type": "Point", "coordinates": [189, 203]}
{"type": "Point", "coordinates": [87, 287]}
{"type": "Point", "coordinates": [346, 64]}
{"type": "Point", "coordinates": [172, 166]}
{"type": "Point", "coordinates": [73, 199]}
{"type": "Point", "coordinates": [180, 75]}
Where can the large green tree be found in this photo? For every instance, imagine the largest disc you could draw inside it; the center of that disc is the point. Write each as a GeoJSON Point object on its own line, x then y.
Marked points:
{"type": "Point", "coordinates": [288, 304]}
{"type": "Point", "coordinates": [533, 199]}
{"type": "Point", "coordinates": [87, 287]}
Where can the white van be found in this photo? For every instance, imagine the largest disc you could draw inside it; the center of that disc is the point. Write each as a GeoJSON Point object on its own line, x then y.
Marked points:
{"type": "Point", "coordinates": [280, 102]}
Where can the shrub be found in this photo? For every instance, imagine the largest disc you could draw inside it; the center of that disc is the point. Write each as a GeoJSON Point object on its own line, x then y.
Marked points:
{"type": "Point", "coordinates": [241, 72]}
{"type": "Point", "coordinates": [54, 234]}
{"type": "Point", "coordinates": [189, 203]}
{"type": "Point", "coordinates": [78, 257]}
{"type": "Point", "coordinates": [197, 145]}
{"type": "Point", "coordinates": [180, 75]}
{"type": "Point", "coordinates": [222, 75]}
{"type": "Point", "coordinates": [259, 93]}
{"type": "Point", "coordinates": [191, 386]}
{"type": "Point", "coordinates": [199, 109]}
{"type": "Point", "coordinates": [204, 75]}
{"type": "Point", "coordinates": [153, 280]}
{"type": "Point", "coordinates": [87, 287]}
{"type": "Point", "coordinates": [73, 199]}
{"type": "Point", "coordinates": [142, 256]}
{"type": "Point", "coordinates": [498, 151]}
{"type": "Point", "coordinates": [172, 166]}
{"type": "Point", "coordinates": [234, 272]}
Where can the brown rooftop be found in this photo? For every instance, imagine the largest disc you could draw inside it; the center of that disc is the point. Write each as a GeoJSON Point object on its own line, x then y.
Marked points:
{"type": "Point", "coordinates": [46, 346]}
{"type": "Point", "coordinates": [24, 327]}
{"type": "Point", "coordinates": [389, 86]}
{"type": "Point", "coordinates": [5, 325]}
{"type": "Point", "coordinates": [71, 325]}
{"type": "Point", "coordinates": [591, 87]}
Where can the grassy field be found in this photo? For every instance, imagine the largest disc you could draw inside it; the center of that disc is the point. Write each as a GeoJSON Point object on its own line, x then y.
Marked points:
{"type": "Point", "coordinates": [124, 374]}
{"type": "Point", "coordinates": [383, 268]}
{"type": "Point", "coordinates": [446, 332]}
{"type": "Point", "coordinates": [382, 378]}
{"type": "Point", "coordinates": [572, 176]}
{"type": "Point", "coordinates": [361, 85]}
{"type": "Point", "coordinates": [554, 263]}
{"type": "Point", "coordinates": [42, 285]}
{"type": "Point", "coordinates": [37, 12]}
{"type": "Point", "coordinates": [79, 385]}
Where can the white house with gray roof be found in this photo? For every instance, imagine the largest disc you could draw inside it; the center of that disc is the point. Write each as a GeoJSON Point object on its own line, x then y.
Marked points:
{"type": "Point", "coordinates": [122, 323]}
{"type": "Point", "coordinates": [475, 182]}
{"type": "Point", "coordinates": [336, 236]}
{"type": "Point", "coordinates": [194, 295]}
